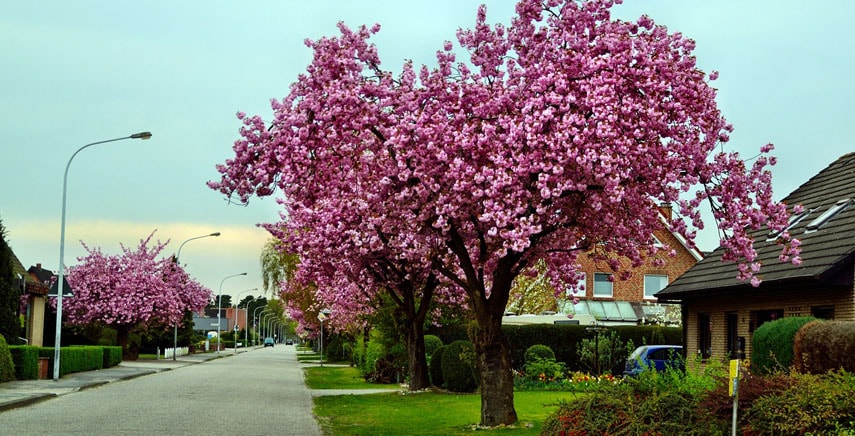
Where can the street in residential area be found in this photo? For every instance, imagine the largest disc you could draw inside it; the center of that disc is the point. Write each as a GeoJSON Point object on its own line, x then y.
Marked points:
{"type": "Point", "coordinates": [259, 392]}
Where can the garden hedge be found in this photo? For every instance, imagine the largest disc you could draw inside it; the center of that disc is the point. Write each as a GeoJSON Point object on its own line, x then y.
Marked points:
{"type": "Point", "coordinates": [563, 339]}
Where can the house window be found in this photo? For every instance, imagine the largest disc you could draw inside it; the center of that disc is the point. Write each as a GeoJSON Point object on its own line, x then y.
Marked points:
{"type": "Point", "coordinates": [603, 285]}
{"type": "Point", "coordinates": [764, 316]}
{"type": "Point", "coordinates": [654, 283]}
{"type": "Point", "coordinates": [828, 215]}
{"type": "Point", "coordinates": [822, 312]}
{"type": "Point", "coordinates": [704, 335]}
{"type": "Point", "coordinates": [794, 219]}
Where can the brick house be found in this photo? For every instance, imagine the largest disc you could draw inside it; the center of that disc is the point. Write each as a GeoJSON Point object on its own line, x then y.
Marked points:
{"type": "Point", "coordinates": [720, 313]}
{"type": "Point", "coordinates": [628, 302]}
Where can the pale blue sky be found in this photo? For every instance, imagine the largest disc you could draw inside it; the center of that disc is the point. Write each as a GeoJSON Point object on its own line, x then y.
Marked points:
{"type": "Point", "coordinates": [84, 71]}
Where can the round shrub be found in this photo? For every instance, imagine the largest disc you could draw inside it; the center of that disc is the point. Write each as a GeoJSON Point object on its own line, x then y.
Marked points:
{"type": "Point", "coordinates": [458, 367]}
{"type": "Point", "coordinates": [822, 346]}
{"type": "Point", "coordinates": [7, 368]}
{"type": "Point", "coordinates": [772, 345]}
{"type": "Point", "coordinates": [432, 342]}
{"type": "Point", "coordinates": [541, 352]}
{"type": "Point", "coordinates": [435, 366]}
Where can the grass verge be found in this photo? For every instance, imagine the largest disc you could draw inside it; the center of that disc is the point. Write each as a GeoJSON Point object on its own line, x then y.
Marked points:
{"type": "Point", "coordinates": [337, 377]}
{"type": "Point", "coordinates": [427, 413]}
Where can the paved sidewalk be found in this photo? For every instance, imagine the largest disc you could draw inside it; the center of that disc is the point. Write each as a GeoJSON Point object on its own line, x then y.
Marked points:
{"type": "Point", "coordinates": [25, 392]}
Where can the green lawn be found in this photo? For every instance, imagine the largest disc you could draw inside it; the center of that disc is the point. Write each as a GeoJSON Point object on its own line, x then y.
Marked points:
{"type": "Point", "coordinates": [427, 413]}
{"type": "Point", "coordinates": [338, 377]}
{"type": "Point", "coordinates": [423, 413]}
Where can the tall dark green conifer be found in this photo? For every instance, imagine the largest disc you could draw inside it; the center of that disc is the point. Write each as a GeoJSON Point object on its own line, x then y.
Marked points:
{"type": "Point", "coordinates": [10, 324]}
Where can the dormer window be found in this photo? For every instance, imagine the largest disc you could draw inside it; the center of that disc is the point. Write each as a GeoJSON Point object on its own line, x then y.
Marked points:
{"type": "Point", "coordinates": [793, 221]}
{"type": "Point", "coordinates": [828, 215]}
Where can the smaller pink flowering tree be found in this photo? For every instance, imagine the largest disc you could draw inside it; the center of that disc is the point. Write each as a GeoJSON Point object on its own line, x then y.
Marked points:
{"type": "Point", "coordinates": [131, 290]}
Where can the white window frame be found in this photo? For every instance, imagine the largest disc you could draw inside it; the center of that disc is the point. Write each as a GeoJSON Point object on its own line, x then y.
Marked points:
{"type": "Point", "coordinates": [648, 291]}
{"type": "Point", "coordinates": [599, 290]}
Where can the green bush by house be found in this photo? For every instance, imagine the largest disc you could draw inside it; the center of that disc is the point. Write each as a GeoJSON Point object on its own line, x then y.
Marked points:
{"type": "Point", "coordinates": [772, 344]}
{"type": "Point", "coordinates": [822, 346]}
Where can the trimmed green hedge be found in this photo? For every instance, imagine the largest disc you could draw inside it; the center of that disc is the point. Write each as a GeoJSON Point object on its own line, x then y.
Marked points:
{"type": "Point", "coordinates": [26, 361]}
{"type": "Point", "coordinates": [564, 339]}
{"type": "Point", "coordinates": [72, 359]}
{"type": "Point", "coordinates": [112, 356]}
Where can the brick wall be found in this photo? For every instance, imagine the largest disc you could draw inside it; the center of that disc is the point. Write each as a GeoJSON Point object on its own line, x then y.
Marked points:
{"type": "Point", "coordinates": [633, 289]}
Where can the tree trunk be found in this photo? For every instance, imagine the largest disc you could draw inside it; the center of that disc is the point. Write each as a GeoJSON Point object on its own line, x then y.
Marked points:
{"type": "Point", "coordinates": [494, 366]}
{"type": "Point", "coordinates": [129, 351]}
{"type": "Point", "coordinates": [417, 363]}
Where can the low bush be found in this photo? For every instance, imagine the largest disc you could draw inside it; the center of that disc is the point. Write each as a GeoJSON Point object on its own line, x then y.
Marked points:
{"type": "Point", "coordinates": [336, 348]}
{"type": "Point", "coordinates": [432, 342]}
{"type": "Point", "coordinates": [435, 367]}
{"type": "Point", "coordinates": [813, 404]}
{"type": "Point", "coordinates": [772, 344]}
{"type": "Point", "coordinates": [697, 403]}
{"type": "Point", "coordinates": [458, 367]}
{"type": "Point", "coordinates": [605, 353]}
{"type": "Point", "coordinates": [539, 351]}
{"type": "Point", "coordinates": [823, 346]}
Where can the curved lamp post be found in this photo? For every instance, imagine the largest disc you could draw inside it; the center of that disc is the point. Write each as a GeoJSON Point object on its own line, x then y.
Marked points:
{"type": "Point", "coordinates": [255, 320]}
{"type": "Point", "coordinates": [178, 256]}
{"type": "Point", "coordinates": [237, 306]}
{"type": "Point", "coordinates": [61, 272]}
{"type": "Point", "coordinates": [220, 307]}
{"type": "Point", "coordinates": [246, 319]}
{"type": "Point", "coordinates": [263, 318]}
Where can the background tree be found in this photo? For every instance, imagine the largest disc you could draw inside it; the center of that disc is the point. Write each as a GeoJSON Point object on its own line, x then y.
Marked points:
{"type": "Point", "coordinates": [533, 294]}
{"type": "Point", "coordinates": [277, 265]}
{"type": "Point", "coordinates": [131, 291]}
{"type": "Point", "coordinates": [563, 132]}
{"type": "Point", "coordinates": [10, 297]}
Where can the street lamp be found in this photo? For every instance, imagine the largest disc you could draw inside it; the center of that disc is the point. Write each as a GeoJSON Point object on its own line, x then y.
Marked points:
{"type": "Point", "coordinates": [220, 308]}
{"type": "Point", "coordinates": [61, 272]}
{"type": "Point", "coordinates": [237, 306]}
{"type": "Point", "coordinates": [256, 320]}
{"type": "Point", "coordinates": [177, 256]}
{"type": "Point", "coordinates": [246, 319]}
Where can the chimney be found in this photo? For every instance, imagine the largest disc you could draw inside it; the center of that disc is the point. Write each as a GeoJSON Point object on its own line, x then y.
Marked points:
{"type": "Point", "coordinates": [665, 210]}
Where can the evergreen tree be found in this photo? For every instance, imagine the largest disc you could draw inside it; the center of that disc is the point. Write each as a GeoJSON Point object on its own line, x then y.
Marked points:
{"type": "Point", "coordinates": [10, 325]}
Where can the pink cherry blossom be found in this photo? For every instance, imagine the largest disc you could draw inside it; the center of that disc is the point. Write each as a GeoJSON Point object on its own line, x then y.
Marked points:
{"type": "Point", "coordinates": [132, 289]}
{"type": "Point", "coordinates": [562, 132]}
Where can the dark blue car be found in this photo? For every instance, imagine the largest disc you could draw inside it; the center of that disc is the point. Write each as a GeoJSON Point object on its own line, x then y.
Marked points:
{"type": "Point", "coordinates": [656, 357]}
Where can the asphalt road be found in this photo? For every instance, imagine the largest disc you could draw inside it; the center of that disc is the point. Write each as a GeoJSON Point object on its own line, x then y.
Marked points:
{"type": "Point", "coordinates": [259, 392]}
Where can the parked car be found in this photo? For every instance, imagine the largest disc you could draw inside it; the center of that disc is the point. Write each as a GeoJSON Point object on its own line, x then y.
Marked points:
{"type": "Point", "coordinates": [656, 357]}
{"type": "Point", "coordinates": [289, 342]}
{"type": "Point", "coordinates": [268, 342]}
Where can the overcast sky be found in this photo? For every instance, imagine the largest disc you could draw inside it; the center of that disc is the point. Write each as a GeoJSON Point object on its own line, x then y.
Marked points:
{"type": "Point", "coordinates": [84, 71]}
